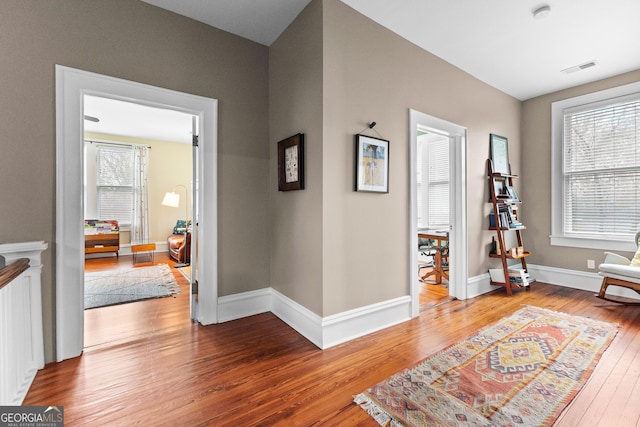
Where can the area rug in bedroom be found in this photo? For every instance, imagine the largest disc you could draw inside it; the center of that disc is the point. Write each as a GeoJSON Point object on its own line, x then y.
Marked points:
{"type": "Point", "coordinates": [127, 285]}
{"type": "Point", "coordinates": [521, 371]}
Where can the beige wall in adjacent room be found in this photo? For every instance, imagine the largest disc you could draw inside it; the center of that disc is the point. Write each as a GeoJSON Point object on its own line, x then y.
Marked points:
{"type": "Point", "coordinates": [372, 74]}
{"type": "Point", "coordinates": [170, 164]}
{"type": "Point", "coordinates": [132, 40]}
{"type": "Point", "coordinates": [536, 138]}
{"type": "Point", "coordinates": [295, 71]}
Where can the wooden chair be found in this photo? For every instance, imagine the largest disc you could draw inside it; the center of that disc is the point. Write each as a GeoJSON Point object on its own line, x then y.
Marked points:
{"type": "Point", "coordinates": [618, 271]}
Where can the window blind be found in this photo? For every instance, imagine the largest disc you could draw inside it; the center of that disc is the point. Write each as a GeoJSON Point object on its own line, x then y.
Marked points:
{"type": "Point", "coordinates": [114, 181]}
{"type": "Point", "coordinates": [433, 181]}
{"type": "Point", "coordinates": [601, 169]}
{"type": "Point", "coordinates": [438, 179]}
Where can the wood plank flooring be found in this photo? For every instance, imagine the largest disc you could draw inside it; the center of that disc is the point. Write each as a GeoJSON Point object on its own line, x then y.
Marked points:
{"type": "Point", "coordinates": [165, 370]}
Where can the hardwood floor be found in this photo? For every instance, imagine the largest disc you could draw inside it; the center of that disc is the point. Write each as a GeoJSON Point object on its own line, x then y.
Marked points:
{"type": "Point", "coordinates": [433, 293]}
{"type": "Point", "coordinates": [137, 318]}
{"type": "Point", "coordinates": [162, 369]}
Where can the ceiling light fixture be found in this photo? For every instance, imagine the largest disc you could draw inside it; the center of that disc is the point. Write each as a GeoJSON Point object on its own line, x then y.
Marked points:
{"type": "Point", "coordinates": [542, 12]}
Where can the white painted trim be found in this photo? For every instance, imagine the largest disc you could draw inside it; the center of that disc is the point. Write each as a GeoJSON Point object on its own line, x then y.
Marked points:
{"type": "Point", "coordinates": [245, 304]}
{"type": "Point", "coordinates": [71, 86]}
{"type": "Point", "coordinates": [322, 332]}
{"type": "Point", "coordinates": [304, 321]}
{"type": "Point", "coordinates": [326, 332]}
{"type": "Point", "coordinates": [575, 279]}
{"type": "Point", "coordinates": [352, 324]}
{"type": "Point", "coordinates": [458, 206]}
{"type": "Point", "coordinates": [558, 237]}
{"type": "Point", "coordinates": [479, 285]}
{"type": "Point", "coordinates": [32, 344]}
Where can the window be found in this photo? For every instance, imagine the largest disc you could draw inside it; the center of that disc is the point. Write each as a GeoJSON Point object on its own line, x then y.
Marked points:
{"type": "Point", "coordinates": [596, 169]}
{"type": "Point", "coordinates": [433, 181]}
{"type": "Point", "coordinates": [114, 183]}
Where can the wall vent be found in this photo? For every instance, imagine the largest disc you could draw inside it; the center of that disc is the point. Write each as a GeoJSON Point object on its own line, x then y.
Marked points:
{"type": "Point", "coordinates": [580, 67]}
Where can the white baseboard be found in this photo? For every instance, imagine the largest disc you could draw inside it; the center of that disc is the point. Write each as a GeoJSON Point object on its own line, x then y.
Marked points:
{"type": "Point", "coordinates": [479, 285]}
{"type": "Point", "coordinates": [583, 280]}
{"type": "Point", "coordinates": [306, 322]}
{"type": "Point", "coordinates": [348, 325]}
{"type": "Point", "coordinates": [332, 330]}
{"type": "Point", "coordinates": [245, 304]}
{"type": "Point", "coordinates": [323, 332]}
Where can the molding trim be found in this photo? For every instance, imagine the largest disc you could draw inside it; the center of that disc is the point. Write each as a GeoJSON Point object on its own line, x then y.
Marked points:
{"type": "Point", "coordinates": [575, 279]}
{"type": "Point", "coordinates": [300, 318]}
{"type": "Point", "coordinates": [479, 285]}
{"type": "Point", "coordinates": [245, 304]}
{"type": "Point", "coordinates": [323, 332]}
{"type": "Point", "coordinates": [348, 325]}
{"type": "Point", "coordinates": [329, 331]}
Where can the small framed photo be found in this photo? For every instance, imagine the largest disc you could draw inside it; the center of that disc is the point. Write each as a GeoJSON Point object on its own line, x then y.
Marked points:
{"type": "Point", "coordinates": [499, 154]}
{"type": "Point", "coordinates": [372, 164]}
{"type": "Point", "coordinates": [512, 193]}
{"type": "Point", "coordinates": [291, 163]}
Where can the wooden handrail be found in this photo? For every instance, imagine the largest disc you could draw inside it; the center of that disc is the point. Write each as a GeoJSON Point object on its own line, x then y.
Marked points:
{"type": "Point", "coordinates": [10, 272]}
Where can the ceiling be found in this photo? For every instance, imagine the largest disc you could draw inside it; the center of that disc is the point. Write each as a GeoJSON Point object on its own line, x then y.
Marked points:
{"type": "Point", "coordinates": [497, 41]}
{"type": "Point", "coordinates": [128, 119]}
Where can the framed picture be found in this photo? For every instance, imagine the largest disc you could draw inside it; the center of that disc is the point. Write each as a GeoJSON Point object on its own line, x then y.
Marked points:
{"type": "Point", "coordinates": [499, 154]}
{"type": "Point", "coordinates": [499, 189]}
{"type": "Point", "coordinates": [512, 193]}
{"type": "Point", "coordinates": [372, 164]}
{"type": "Point", "coordinates": [291, 163]}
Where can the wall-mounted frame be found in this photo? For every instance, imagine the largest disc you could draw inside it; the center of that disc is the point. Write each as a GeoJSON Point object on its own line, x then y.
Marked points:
{"type": "Point", "coordinates": [499, 154]}
{"type": "Point", "coordinates": [291, 163]}
{"type": "Point", "coordinates": [372, 164]}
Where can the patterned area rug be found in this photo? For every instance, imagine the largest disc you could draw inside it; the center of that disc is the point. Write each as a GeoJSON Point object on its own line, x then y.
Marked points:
{"type": "Point", "coordinates": [521, 371]}
{"type": "Point", "coordinates": [127, 285]}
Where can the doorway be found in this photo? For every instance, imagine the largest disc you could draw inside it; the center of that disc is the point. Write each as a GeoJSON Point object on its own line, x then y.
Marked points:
{"type": "Point", "coordinates": [71, 86]}
{"type": "Point", "coordinates": [432, 198]}
{"type": "Point", "coordinates": [453, 138]}
{"type": "Point", "coordinates": [136, 157]}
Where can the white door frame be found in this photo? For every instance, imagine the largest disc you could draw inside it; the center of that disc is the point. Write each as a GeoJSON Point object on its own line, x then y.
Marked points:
{"type": "Point", "coordinates": [71, 86]}
{"type": "Point", "coordinates": [457, 205]}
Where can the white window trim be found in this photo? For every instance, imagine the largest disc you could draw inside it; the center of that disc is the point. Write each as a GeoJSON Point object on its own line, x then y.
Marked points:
{"type": "Point", "coordinates": [557, 237]}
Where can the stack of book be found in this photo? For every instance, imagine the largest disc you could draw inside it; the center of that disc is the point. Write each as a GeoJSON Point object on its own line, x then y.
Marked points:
{"type": "Point", "coordinates": [517, 276]}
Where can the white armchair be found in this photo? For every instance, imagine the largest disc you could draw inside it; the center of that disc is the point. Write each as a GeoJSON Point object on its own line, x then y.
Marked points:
{"type": "Point", "coordinates": [618, 270]}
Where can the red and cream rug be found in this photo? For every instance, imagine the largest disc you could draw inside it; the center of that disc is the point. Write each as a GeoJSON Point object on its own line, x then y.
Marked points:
{"type": "Point", "coordinates": [521, 371]}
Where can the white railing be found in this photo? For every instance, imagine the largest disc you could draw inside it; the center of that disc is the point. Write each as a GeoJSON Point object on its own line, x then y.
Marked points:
{"type": "Point", "coordinates": [21, 338]}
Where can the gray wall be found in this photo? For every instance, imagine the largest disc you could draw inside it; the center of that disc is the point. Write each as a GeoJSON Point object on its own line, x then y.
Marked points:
{"type": "Point", "coordinates": [132, 40]}
{"type": "Point", "coordinates": [295, 65]}
{"type": "Point", "coordinates": [372, 74]}
{"type": "Point", "coordinates": [334, 249]}
{"type": "Point", "coordinates": [331, 73]}
{"type": "Point", "coordinates": [536, 138]}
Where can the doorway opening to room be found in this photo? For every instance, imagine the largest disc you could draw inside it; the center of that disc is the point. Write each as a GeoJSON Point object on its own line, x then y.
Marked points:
{"type": "Point", "coordinates": [71, 87]}
{"type": "Point", "coordinates": [437, 175]}
{"type": "Point", "coordinates": [432, 197]}
{"type": "Point", "coordinates": [138, 185]}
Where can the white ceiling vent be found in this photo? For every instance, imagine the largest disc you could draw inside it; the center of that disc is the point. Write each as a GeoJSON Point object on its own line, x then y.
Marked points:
{"type": "Point", "coordinates": [580, 67]}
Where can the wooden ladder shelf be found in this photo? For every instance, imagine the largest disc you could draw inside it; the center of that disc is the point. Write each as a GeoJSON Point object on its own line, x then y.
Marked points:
{"type": "Point", "coordinates": [505, 201]}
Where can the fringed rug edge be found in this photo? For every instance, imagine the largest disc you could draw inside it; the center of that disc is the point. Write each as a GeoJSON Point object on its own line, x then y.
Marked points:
{"type": "Point", "coordinates": [375, 411]}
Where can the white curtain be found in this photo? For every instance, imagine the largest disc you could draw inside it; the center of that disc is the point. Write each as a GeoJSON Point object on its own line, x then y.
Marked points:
{"type": "Point", "coordinates": [140, 217]}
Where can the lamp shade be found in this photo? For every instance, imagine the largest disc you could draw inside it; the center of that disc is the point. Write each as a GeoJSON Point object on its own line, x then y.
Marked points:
{"type": "Point", "coordinates": [171, 199]}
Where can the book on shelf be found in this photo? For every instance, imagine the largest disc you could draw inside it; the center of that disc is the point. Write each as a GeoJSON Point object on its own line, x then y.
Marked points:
{"type": "Point", "coordinates": [516, 275]}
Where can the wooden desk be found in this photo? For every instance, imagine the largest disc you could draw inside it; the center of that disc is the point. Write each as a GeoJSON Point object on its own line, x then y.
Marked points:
{"type": "Point", "coordinates": [440, 237]}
